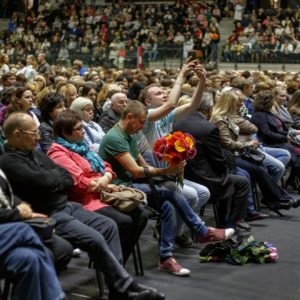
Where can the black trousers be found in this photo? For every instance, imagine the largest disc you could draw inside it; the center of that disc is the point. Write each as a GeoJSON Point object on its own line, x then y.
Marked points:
{"type": "Point", "coordinates": [99, 237]}
{"type": "Point", "coordinates": [272, 193]}
{"type": "Point", "coordinates": [130, 227]}
{"type": "Point", "coordinates": [233, 208]}
{"type": "Point", "coordinates": [60, 251]}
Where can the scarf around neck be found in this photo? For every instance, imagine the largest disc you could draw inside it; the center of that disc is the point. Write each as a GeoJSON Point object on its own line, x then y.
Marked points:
{"type": "Point", "coordinates": [96, 162]}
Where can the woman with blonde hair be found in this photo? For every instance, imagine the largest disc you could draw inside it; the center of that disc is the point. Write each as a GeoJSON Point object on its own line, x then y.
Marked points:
{"type": "Point", "coordinates": [35, 89]}
{"type": "Point", "coordinates": [69, 91]}
{"type": "Point", "coordinates": [279, 109]}
{"type": "Point", "coordinates": [224, 116]}
{"type": "Point", "coordinates": [40, 79]}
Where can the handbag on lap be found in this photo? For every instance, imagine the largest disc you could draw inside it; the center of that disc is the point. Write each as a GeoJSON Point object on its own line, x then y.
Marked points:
{"type": "Point", "coordinates": [126, 200]}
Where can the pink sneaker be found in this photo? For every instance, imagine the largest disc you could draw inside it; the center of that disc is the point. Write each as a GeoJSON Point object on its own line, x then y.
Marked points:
{"type": "Point", "coordinates": [172, 266]}
{"type": "Point", "coordinates": [216, 235]}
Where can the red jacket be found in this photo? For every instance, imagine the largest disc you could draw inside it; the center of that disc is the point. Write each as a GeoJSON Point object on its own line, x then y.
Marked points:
{"type": "Point", "coordinates": [82, 174]}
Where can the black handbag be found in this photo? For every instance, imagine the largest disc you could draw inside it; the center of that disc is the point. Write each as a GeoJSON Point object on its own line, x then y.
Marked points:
{"type": "Point", "coordinates": [230, 161]}
{"type": "Point", "coordinates": [43, 227]}
{"type": "Point", "coordinates": [252, 155]}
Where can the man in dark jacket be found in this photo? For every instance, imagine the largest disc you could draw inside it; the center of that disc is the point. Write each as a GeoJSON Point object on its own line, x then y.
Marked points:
{"type": "Point", "coordinates": [110, 117]}
{"type": "Point", "coordinates": [38, 180]}
{"type": "Point", "coordinates": [209, 166]}
{"type": "Point", "coordinates": [12, 209]}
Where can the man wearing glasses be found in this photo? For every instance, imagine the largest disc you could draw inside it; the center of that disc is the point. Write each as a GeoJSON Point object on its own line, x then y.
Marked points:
{"type": "Point", "coordinates": [44, 185]}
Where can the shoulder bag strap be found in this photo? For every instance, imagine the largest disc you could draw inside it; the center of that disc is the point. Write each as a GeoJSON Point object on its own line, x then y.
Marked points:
{"type": "Point", "coordinates": [156, 197]}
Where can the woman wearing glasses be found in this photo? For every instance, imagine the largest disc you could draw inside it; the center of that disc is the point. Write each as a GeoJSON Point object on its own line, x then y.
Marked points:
{"type": "Point", "coordinates": [91, 174]}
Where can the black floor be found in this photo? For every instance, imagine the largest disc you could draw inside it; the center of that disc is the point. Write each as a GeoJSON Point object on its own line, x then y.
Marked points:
{"type": "Point", "coordinates": [211, 281]}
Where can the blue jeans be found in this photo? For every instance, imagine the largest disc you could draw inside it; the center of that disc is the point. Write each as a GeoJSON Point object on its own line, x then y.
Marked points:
{"type": "Point", "coordinates": [203, 193]}
{"type": "Point", "coordinates": [250, 202]}
{"type": "Point", "coordinates": [196, 195]}
{"type": "Point", "coordinates": [275, 161]}
{"type": "Point", "coordinates": [169, 204]}
{"type": "Point", "coordinates": [26, 262]}
{"type": "Point", "coordinates": [186, 192]}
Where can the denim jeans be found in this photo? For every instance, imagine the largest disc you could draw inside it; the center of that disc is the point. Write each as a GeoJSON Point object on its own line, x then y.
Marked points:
{"type": "Point", "coordinates": [250, 202]}
{"type": "Point", "coordinates": [169, 204]}
{"type": "Point", "coordinates": [26, 262]}
{"type": "Point", "coordinates": [190, 190]}
{"type": "Point", "coordinates": [203, 193]}
{"type": "Point", "coordinates": [99, 237]}
{"type": "Point", "coordinates": [188, 193]}
{"type": "Point", "coordinates": [275, 161]}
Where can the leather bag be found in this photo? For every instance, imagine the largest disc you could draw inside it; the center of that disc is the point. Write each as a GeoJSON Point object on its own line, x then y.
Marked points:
{"type": "Point", "coordinates": [43, 227]}
{"type": "Point", "coordinates": [252, 155]}
{"type": "Point", "coordinates": [126, 200]}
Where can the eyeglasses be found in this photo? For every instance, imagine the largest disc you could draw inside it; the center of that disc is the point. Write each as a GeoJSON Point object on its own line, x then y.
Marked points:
{"type": "Point", "coordinates": [33, 132]}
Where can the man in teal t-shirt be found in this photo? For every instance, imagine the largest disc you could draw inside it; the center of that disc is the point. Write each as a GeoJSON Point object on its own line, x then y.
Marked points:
{"type": "Point", "coordinates": [120, 149]}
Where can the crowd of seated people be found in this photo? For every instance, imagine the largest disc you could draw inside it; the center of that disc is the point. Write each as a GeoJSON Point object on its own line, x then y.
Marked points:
{"type": "Point", "coordinates": [263, 36]}
{"type": "Point", "coordinates": [90, 126]}
{"type": "Point", "coordinates": [110, 34]}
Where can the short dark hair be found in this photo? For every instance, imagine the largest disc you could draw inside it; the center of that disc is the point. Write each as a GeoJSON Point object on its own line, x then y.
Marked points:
{"type": "Point", "coordinates": [6, 94]}
{"type": "Point", "coordinates": [65, 122]}
{"type": "Point", "coordinates": [144, 92]}
{"type": "Point", "coordinates": [263, 101]}
{"type": "Point", "coordinates": [135, 108]}
{"type": "Point", "coordinates": [48, 103]}
{"type": "Point", "coordinates": [8, 75]}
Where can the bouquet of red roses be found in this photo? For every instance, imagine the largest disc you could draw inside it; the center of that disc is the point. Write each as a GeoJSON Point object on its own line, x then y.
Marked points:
{"type": "Point", "coordinates": [174, 148]}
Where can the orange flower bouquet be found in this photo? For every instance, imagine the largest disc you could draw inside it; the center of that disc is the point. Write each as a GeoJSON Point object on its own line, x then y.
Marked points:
{"type": "Point", "coordinates": [174, 148]}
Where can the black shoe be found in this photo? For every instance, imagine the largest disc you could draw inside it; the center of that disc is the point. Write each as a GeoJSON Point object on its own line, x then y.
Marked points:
{"type": "Point", "coordinates": [144, 295]}
{"type": "Point", "coordinates": [183, 241]}
{"type": "Point", "coordinates": [256, 216]}
{"type": "Point", "coordinates": [291, 182]}
{"type": "Point", "coordinates": [295, 203]}
{"type": "Point", "coordinates": [241, 224]}
{"type": "Point", "coordinates": [286, 205]}
{"type": "Point", "coordinates": [130, 295]}
{"type": "Point", "coordinates": [137, 287]}
{"type": "Point", "coordinates": [272, 208]}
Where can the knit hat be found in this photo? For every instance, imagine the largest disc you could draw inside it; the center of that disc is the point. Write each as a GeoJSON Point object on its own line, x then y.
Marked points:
{"type": "Point", "coordinates": [79, 103]}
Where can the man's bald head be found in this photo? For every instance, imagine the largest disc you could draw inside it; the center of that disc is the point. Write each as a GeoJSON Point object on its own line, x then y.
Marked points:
{"type": "Point", "coordinates": [118, 102]}
{"type": "Point", "coordinates": [15, 121]}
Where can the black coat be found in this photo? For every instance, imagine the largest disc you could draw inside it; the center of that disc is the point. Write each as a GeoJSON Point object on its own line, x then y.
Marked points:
{"type": "Point", "coordinates": [209, 167]}
{"type": "Point", "coordinates": [36, 179]}
{"type": "Point", "coordinates": [269, 130]}
{"type": "Point", "coordinates": [108, 119]}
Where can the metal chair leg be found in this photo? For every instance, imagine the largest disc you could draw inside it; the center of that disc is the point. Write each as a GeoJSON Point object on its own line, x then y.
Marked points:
{"type": "Point", "coordinates": [137, 260]}
{"type": "Point", "coordinates": [100, 283]}
{"type": "Point", "coordinates": [255, 196]}
{"type": "Point", "coordinates": [6, 289]}
{"type": "Point", "coordinates": [99, 278]}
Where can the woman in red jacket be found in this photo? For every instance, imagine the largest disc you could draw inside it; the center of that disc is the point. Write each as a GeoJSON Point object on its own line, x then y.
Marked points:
{"type": "Point", "coordinates": [91, 174]}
